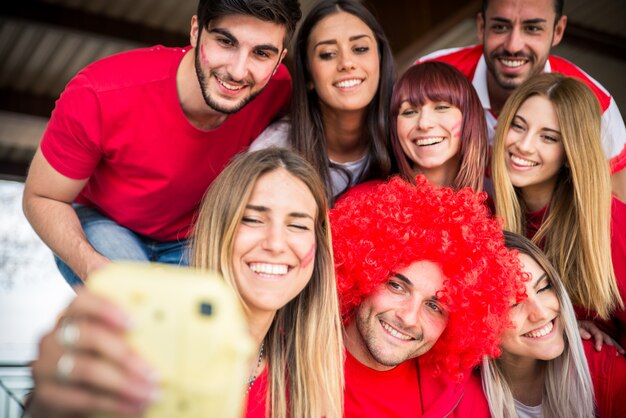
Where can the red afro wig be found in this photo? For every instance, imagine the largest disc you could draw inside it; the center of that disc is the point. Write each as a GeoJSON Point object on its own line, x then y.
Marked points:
{"type": "Point", "coordinates": [378, 228]}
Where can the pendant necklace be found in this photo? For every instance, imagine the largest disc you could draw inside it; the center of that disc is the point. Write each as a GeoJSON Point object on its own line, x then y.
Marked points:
{"type": "Point", "coordinates": [252, 378]}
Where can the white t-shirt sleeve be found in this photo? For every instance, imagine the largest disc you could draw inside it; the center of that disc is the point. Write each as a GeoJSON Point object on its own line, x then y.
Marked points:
{"type": "Point", "coordinates": [275, 135]}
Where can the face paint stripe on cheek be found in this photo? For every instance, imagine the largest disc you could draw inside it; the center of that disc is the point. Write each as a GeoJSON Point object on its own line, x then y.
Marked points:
{"type": "Point", "coordinates": [456, 129]}
{"type": "Point", "coordinates": [306, 260]}
{"type": "Point", "coordinates": [203, 55]}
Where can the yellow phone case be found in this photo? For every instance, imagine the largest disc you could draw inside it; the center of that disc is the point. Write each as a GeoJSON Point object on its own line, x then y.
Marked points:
{"type": "Point", "coordinates": [190, 327]}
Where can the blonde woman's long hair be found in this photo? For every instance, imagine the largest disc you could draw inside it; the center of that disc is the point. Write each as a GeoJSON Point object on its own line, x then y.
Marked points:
{"type": "Point", "coordinates": [568, 389]}
{"type": "Point", "coordinates": [304, 343]}
{"type": "Point", "coordinates": [576, 233]}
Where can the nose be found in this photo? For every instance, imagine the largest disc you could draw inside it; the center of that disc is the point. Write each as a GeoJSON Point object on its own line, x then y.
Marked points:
{"type": "Point", "coordinates": [424, 120]}
{"type": "Point", "coordinates": [514, 42]}
{"type": "Point", "coordinates": [275, 240]}
{"type": "Point", "coordinates": [238, 66]}
{"type": "Point", "coordinates": [408, 314]}
{"type": "Point", "coordinates": [537, 312]}
{"type": "Point", "coordinates": [345, 62]}
{"type": "Point", "coordinates": [525, 144]}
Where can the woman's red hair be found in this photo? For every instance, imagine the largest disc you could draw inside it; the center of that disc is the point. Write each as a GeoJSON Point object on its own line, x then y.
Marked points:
{"type": "Point", "coordinates": [440, 82]}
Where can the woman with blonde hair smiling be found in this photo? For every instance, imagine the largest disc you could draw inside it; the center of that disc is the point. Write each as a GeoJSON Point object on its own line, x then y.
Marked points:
{"type": "Point", "coordinates": [263, 226]}
{"type": "Point", "coordinates": [552, 184]}
{"type": "Point", "coordinates": [545, 370]}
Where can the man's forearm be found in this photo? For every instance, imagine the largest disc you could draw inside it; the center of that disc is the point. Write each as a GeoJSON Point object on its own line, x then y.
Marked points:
{"type": "Point", "coordinates": [59, 228]}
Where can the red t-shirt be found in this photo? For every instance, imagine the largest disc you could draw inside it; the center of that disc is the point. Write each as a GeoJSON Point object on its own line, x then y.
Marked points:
{"type": "Point", "coordinates": [371, 393]}
{"type": "Point", "coordinates": [608, 374]}
{"type": "Point", "coordinates": [119, 123]}
{"type": "Point", "coordinates": [257, 398]}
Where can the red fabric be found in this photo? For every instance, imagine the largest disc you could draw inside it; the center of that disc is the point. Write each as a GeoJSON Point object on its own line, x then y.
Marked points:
{"type": "Point", "coordinates": [442, 399]}
{"type": "Point", "coordinates": [616, 327]}
{"type": "Point", "coordinates": [409, 390]}
{"type": "Point", "coordinates": [608, 373]}
{"type": "Point", "coordinates": [257, 398]}
{"type": "Point", "coordinates": [120, 124]}
{"type": "Point", "coordinates": [373, 394]}
{"type": "Point", "coordinates": [618, 253]}
{"type": "Point", "coordinates": [466, 59]}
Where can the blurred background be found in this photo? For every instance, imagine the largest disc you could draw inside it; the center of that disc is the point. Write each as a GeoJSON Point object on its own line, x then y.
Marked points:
{"type": "Point", "coordinates": [44, 43]}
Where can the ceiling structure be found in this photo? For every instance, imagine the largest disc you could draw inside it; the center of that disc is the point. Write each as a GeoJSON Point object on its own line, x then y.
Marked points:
{"type": "Point", "coordinates": [43, 43]}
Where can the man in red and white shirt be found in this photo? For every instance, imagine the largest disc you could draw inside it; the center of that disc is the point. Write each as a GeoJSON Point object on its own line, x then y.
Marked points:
{"type": "Point", "coordinates": [517, 36]}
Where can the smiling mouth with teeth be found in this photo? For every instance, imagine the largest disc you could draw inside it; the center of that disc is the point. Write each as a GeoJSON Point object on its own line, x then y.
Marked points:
{"type": "Point", "coordinates": [348, 83]}
{"type": "Point", "coordinates": [269, 269]}
{"type": "Point", "coordinates": [513, 62]}
{"type": "Point", "coordinates": [394, 332]}
{"type": "Point", "coordinates": [541, 332]}
{"type": "Point", "coordinates": [522, 161]}
{"type": "Point", "coordinates": [228, 86]}
{"type": "Point", "coordinates": [423, 142]}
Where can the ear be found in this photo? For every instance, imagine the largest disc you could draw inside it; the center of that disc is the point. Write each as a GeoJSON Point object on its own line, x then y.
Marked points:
{"type": "Point", "coordinates": [194, 33]}
{"type": "Point", "coordinates": [559, 30]}
{"type": "Point", "coordinates": [480, 26]}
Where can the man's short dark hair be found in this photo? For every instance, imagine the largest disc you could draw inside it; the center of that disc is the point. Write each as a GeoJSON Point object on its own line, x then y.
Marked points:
{"type": "Point", "coordinates": [558, 8]}
{"type": "Point", "coordinates": [282, 12]}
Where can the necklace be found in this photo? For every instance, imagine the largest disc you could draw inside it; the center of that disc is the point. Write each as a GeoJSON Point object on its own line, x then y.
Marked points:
{"type": "Point", "coordinates": [252, 378]}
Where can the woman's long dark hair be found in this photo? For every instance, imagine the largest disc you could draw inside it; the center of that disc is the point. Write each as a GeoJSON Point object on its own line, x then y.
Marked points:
{"type": "Point", "coordinates": [307, 130]}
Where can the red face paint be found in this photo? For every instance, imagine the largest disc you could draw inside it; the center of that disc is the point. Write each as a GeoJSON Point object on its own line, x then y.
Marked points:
{"type": "Point", "coordinates": [310, 256]}
{"type": "Point", "coordinates": [203, 54]}
{"type": "Point", "coordinates": [456, 129]}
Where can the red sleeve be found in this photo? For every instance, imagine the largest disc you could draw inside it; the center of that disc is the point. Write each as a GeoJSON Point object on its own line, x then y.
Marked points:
{"type": "Point", "coordinates": [71, 142]}
{"type": "Point", "coordinates": [608, 373]}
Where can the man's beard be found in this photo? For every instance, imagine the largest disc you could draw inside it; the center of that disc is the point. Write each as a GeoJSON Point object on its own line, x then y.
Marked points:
{"type": "Point", "coordinates": [204, 87]}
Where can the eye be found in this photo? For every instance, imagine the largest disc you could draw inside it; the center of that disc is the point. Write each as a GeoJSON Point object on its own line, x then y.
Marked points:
{"type": "Point", "coordinates": [550, 138]}
{"type": "Point", "coordinates": [533, 29]}
{"type": "Point", "coordinates": [224, 41]}
{"type": "Point", "coordinates": [408, 112]}
{"type": "Point", "coordinates": [394, 286]}
{"type": "Point", "coordinates": [361, 49]}
{"type": "Point", "coordinates": [442, 106]}
{"type": "Point", "coordinates": [248, 220]}
{"type": "Point", "coordinates": [326, 56]}
{"type": "Point", "coordinates": [436, 307]}
{"type": "Point", "coordinates": [261, 54]}
{"type": "Point", "coordinates": [299, 227]}
{"type": "Point", "coordinates": [548, 286]}
{"type": "Point", "coordinates": [516, 126]}
{"type": "Point", "coordinates": [499, 28]}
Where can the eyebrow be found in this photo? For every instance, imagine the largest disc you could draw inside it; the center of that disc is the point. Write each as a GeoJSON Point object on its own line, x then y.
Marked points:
{"type": "Point", "coordinates": [226, 33]}
{"type": "Point", "coordinates": [334, 41]}
{"type": "Point", "coordinates": [526, 22]}
{"type": "Point", "coordinates": [265, 209]}
{"type": "Point", "coordinates": [556, 131]}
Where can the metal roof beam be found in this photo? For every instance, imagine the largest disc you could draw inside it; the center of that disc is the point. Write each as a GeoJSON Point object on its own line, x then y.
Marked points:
{"type": "Point", "coordinates": [70, 18]}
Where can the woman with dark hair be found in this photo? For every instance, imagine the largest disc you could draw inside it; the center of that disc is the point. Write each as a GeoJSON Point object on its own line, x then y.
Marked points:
{"type": "Point", "coordinates": [438, 127]}
{"type": "Point", "coordinates": [343, 80]}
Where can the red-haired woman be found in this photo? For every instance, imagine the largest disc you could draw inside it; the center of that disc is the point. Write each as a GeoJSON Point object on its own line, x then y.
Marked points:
{"type": "Point", "coordinates": [438, 127]}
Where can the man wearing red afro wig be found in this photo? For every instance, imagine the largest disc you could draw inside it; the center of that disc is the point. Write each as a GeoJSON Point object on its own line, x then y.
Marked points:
{"type": "Point", "coordinates": [425, 285]}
